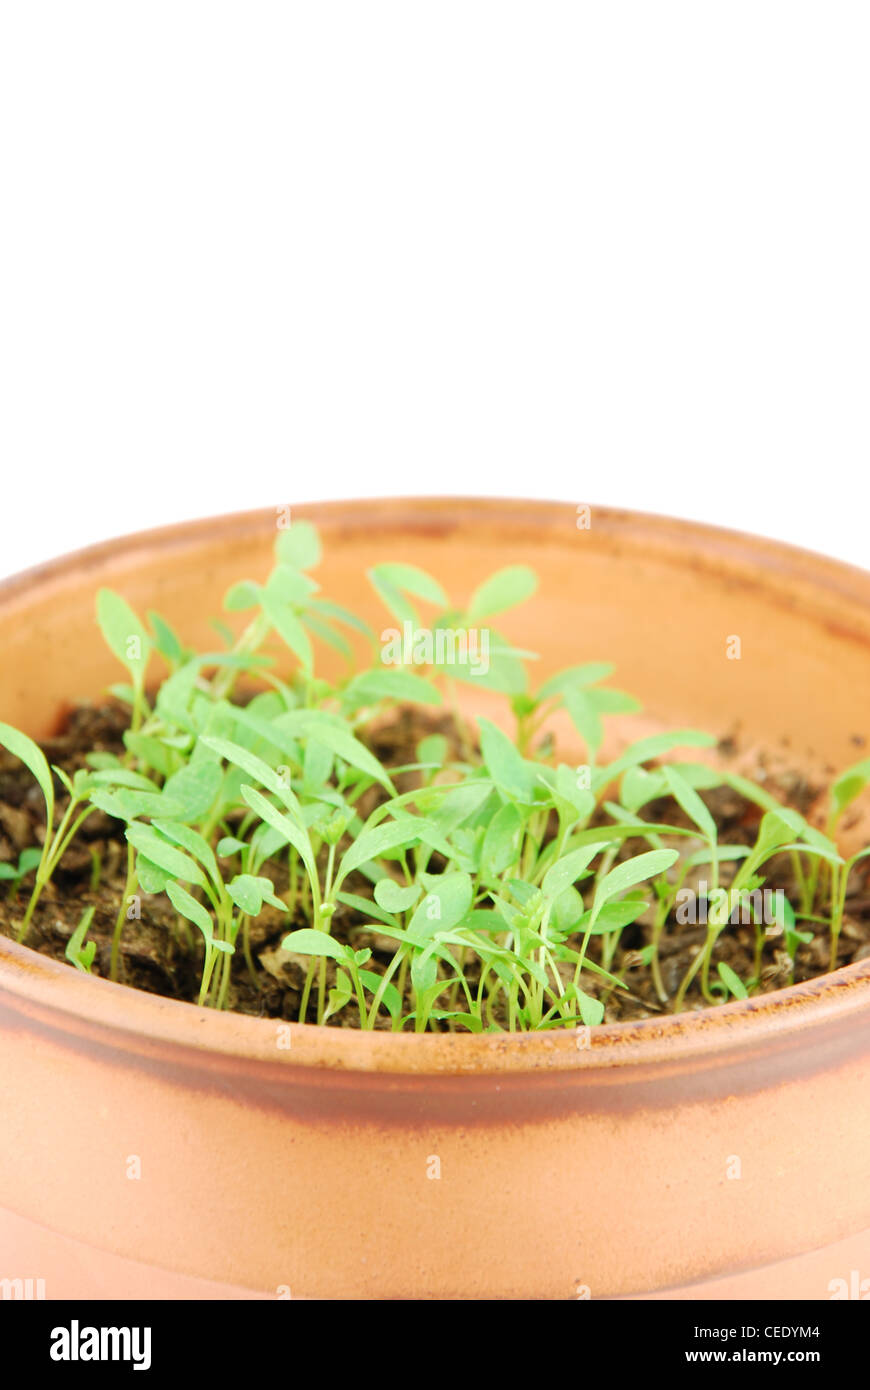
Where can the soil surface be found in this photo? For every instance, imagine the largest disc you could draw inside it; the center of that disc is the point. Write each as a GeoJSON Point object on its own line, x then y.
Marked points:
{"type": "Point", "coordinates": [156, 959]}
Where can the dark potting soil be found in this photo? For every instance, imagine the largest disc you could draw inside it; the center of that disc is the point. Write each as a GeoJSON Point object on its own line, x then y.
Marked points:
{"type": "Point", "coordinates": [154, 958]}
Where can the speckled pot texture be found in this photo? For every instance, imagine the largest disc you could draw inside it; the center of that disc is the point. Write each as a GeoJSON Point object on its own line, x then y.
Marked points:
{"type": "Point", "coordinates": [721, 1153]}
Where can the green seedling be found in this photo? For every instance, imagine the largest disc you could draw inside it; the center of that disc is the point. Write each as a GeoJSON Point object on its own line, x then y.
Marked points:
{"type": "Point", "coordinates": [78, 952]}
{"type": "Point", "coordinates": [14, 874]}
{"type": "Point", "coordinates": [491, 885]}
{"type": "Point", "coordinates": [57, 839]}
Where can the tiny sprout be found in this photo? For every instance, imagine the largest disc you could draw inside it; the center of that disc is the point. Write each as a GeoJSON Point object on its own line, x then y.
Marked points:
{"type": "Point", "coordinates": [81, 955]}
{"type": "Point", "coordinates": [13, 874]}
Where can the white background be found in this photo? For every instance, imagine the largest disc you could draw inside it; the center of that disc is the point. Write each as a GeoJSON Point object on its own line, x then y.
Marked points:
{"type": "Point", "coordinates": [261, 253]}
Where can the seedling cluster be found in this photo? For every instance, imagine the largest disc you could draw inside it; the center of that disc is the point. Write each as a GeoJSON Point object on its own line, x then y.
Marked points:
{"type": "Point", "coordinates": [497, 887]}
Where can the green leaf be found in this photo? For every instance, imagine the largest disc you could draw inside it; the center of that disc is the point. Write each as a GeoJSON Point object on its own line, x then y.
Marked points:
{"type": "Point", "coordinates": [366, 908]}
{"type": "Point", "coordinates": [175, 695]}
{"type": "Point", "coordinates": [371, 687]}
{"type": "Point", "coordinates": [699, 775]}
{"type": "Point", "coordinates": [194, 843]}
{"type": "Point", "coordinates": [566, 911]}
{"type": "Point", "coordinates": [433, 749]}
{"type": "Point", "coordinates": [316, 766]}
{"type": "Point", "coordinates": [654, 746]}
{"type": "Point", "coordinates": [390, 998]}
{"type": "Point", "coordinates": [295, 835]}
{"type": "Point", "coordinates": [585, 718]}
{"type": "Point", "coordinates": [327, 634]}
{"type": "Point", "coordinates": [101, 762]}
{"type": "Point", "coordinates": [126, 804]}
{"type": "Point", "coordinates": [239, 597]}
{"type": "Point", "coordinates": [123, 692]}
{"type": "Point", "coordinates": [264, 730]}
{"type": "Point", "coordinates": [504, 589]}
{"type": "Point", "coordinates": [591, 1010]}
{"type": "Point", "coordinates": [249, 892]}
{"type": "Point", "coordinates": [505, 765]}
{"type": "Point", "coordinates": [572, 801]}
{"type": "Point", "coordinates": [613, 702]}
{"type": "Point", "coordinates": [373, 844]}
{"type": "Point", "coordinates": [151, 751]}
{"type": "Point", "coordinates": [640, 787]}
{"type": "Point", "coordinates": [22, 747]}
{"type": "Point", "coordinates": [502, 841]}
{"type": "Point", "coordinates": [392, 581]}
{"type": "Point", "coordinates": [849, 785]}
{"type": "Point", "coordinates": [325, 608]}
{"type": "Point", "coordinates": [256, 768]}
{"type": "Point", "coordinates": [195, 788]}
{"type": "Point", "coordinates": [612, 916]}
{"type": "Point", "coordinates": [289, 586]}
{"type": "Point", "coordinates": [122, 777]}
{"type": "Point", "coordinates": [575, 678]}
{"type": "Point", "coordinates": [124, 634]}
{"type": "Point", "coordinates": [310, 942]}
{"type": "Point", "coordinates": [815, 840]}
{"type": "Point", "coordinates": [723, 853]}
{"type": "Point", "coordinates": [732, 982]}
{"type": "Point", "coordinates": [395, 897]}
{"type": "Point", "coordinates": [346, 746]}
{"type": "Point", "coordinates": [290, 630]}
{"type": "Point", "coordinates": [298, 545]}
{"type": "Point", "coordinates": [81, 955]}
{"type": "Point", "coordinates": [453, 806]}
{"type": "Point", "coordinates": [690, 802]}
{"type": "Point", "coordinates": [339, 995]}
{"type": "Point", "coordinates": [229, 845]}
{"type": "Point", "coordinates": [506, 674]}
{"type": "Point", "coordinates": [164, 855]}
{"type": "Point", "coordinates": [568, 869]}
{"type": "Point", "coordinates": [629, 873]}
{"type": "Point", "coordinates": [188, 906]}
{"type": "Point", "coordinates": [150, 877]}
{"type": "Point", "coordinates": [787, 920]}
{"type": "Point", "coordinates": [445, 904]}
{"type": "Point", "coordinates": [28, 859]}
{"type": "Point", "coordinates": [776, 829]}
{"type": "Point", "coordinates": [67, 781]}
{"type": "Point", "coordinates": [165, 639]}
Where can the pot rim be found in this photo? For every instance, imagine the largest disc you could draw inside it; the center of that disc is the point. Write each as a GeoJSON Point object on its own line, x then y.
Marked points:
{"type": "Point", "coordinates": [138, 1020]}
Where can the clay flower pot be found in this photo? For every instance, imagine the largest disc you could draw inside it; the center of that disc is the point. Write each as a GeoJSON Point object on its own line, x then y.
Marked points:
{"type": "Point", "coordinates": [720, 1153]}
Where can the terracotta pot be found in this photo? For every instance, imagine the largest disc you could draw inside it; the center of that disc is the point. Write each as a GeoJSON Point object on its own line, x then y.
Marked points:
{"type": "Point", "coordinates": [309, 1171]}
